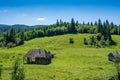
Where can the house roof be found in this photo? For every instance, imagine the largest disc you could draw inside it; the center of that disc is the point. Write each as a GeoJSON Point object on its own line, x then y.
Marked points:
{"type": "Point", "coordinates": [114, 57]}
{"type": "Point", "coordinates": [38, 53]}
{"type": "Point", "coordinates": [114, 54]}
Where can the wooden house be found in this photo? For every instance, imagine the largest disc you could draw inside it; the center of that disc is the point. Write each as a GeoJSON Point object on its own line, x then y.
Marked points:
{"type": "Point", "coordinates": [38, 56]}
{"type": "Point", "coordinates": [114, 57]}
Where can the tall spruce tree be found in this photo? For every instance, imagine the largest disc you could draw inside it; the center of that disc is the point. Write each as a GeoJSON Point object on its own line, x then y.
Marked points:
{"type": "Point", "coordinates": [22, 37]}
{"type": "Point", "coordinates": [95, 23]}
{"type": "Point", "coordinates": [73, 26]}
{"type": "Point", "coordinates": [61, 22]}
{"type": "Point", "coordinates": [91, 23]}
{"type": "Point", "coordinates": [12, 35]}
{"type": "Point", "coordinates": [77, 23]}
{"type": "Point", "coordinates": [100, 26]}
{"type": "Point", "coordinates": [108, 31]}
{"type": "Point", "coordinates": [57, 23]}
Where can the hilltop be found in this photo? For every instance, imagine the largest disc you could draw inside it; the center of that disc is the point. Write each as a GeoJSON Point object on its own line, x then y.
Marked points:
{"type": "Point", "coordinates": [5, 28]}
{"type": "Point", "coordinates": [72, 61]}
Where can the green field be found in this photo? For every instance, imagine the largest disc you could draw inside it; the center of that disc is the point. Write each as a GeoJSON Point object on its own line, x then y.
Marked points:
{"type": "Point", "coordinates": [71, 61]}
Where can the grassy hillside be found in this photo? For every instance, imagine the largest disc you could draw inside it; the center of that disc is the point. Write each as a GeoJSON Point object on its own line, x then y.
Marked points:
{"type": "Point", "coordinates": [71, 62]}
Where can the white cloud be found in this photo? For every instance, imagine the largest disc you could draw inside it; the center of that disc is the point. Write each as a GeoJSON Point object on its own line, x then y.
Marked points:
{"type": "Point", "coordinates": [41, 19]}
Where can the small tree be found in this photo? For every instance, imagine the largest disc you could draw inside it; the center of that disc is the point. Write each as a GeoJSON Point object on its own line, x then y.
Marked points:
{"type": "Point", "coordinates": [10, 45]}
{"type": "Point", "coordinates": [57, 23]}
{"type": "Point", "coordinates": [85, 41]}
{"type": "Point", "coordinates": [73, 26]}
{"type": "Point", "coordinates": [71, 40]}
{"type": "Point", "coordinates": [18, 70]}
{"type": "Point", "coordinates": [91, 40]}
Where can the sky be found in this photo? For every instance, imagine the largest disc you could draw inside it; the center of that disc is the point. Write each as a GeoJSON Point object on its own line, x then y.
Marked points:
{"type": "Point", "coordinates": [44, 12]}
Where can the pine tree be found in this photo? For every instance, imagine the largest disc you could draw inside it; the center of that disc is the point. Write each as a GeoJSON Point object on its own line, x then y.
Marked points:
{"type": "Point", "coordinates": [22, 38]}
{"type": "Point", "coordinates": [83, 23]}
{"type": "Point", "coordinates": [99, 26]}
{"type": "Point", "coordinates": [91, 24]}
{"type": "Point", "coordinates": [95, 23]}
{"type": "Point", "coordinates": [57, 23]}
{"type": "Point", "coordinates": [61, 22]}
{"type": "Point", "coordinates": [112, 25]}
{"type": "Point", "coordinates": [108, 31]}
{"type": "Point", "coordinates": [73, 27]}
{"type": "Point", "coordinates": [105, 30]}
{"type": "Point", "coordinates": [77, 23]}
{"type": "Point", "coordinates": [12, 35]}
{"type": "Point", "coordinates": [88, 23]}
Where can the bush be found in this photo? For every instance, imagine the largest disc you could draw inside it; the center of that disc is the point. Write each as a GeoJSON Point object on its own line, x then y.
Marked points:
{"type": "Point", "coordinates": [99, 35]}
{"type": "Point", "coordinates": [71, 41]}
{"type": "Point", "coordinates": [18, 70]}
{"type": "Point", "coordinates": [19, 41]}
{"type": "Point", "coordinates": [97, 41]}
{"type": "Point", "coordinates": [10, 45]}
{"type": "Point", "coordinates": [85, 41]}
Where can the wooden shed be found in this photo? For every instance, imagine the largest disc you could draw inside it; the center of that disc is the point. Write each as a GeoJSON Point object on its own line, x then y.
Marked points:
{"type": "Point", "coordinates": [38, 56]}
{"type": "Point", "coordinates": [114, 56]}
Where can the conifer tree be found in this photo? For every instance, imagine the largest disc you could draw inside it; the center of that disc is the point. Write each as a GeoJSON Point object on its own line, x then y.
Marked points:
{"type": "Point", "coordinates": [57, 23]}
{"type": "Point", "coordinates": [12, 35]}
{"type": "Point", "coordinates": [99, 26]}
{"type": "Point", "coordinates": [73, 26]}
{"type": "Point", "coordinates": [77, 23]}
{"type": "Point", "coordinates": [61, 22]}
{"type": "Point", "coordinates": [95, 23]}
{"type": "Point", "coordinates": [91, 24]}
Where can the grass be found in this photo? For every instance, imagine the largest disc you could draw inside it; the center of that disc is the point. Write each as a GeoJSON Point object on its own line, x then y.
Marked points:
{"type": "Point", "coordinates": [71, 62]}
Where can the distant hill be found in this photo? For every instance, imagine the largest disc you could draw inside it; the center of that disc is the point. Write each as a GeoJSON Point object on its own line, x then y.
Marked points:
{"type": "Point", "coordinates": [4, 28]}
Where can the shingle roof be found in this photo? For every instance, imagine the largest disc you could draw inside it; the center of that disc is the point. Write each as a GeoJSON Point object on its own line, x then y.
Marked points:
{"type": "Point", "coordinates": [114, 54]}
{"type": "Point", "coordinates": [38, 53]}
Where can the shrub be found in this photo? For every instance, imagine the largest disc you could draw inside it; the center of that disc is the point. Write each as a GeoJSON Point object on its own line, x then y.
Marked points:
{"type": "Point", "coordinates": [71, 41]}
{"type": "Point", "coordinates": [18, 70]}
{"type": "Point", "coordinates": [85, 41]}
{"type": "Point", "coordinates": [10, 45]}
{"type": "Point", "coordinates": [97, 41]}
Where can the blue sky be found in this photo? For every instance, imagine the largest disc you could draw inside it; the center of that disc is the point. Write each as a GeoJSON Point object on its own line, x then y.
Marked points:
{"type": "Point", "coordinates": [37, 12]}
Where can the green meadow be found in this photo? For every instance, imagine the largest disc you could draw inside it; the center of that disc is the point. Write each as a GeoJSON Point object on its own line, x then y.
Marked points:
{"type": "Point", "coordinates": [71, 62]}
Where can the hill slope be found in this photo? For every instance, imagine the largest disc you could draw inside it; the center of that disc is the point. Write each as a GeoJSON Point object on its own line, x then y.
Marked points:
{"type": "Point", "coordinates": [71, 62]}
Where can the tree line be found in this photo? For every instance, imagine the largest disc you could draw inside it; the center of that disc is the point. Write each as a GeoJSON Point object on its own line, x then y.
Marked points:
{"type": "Point", "coordinates": [14, 38]}
{"type": "Point", "coordinates": [103, 37]}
